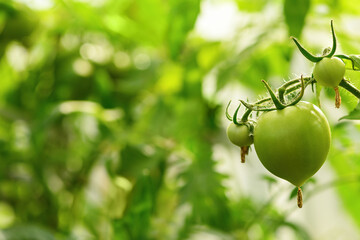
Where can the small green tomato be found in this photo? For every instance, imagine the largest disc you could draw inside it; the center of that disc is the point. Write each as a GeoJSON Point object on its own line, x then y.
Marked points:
{"type": "Point", "coordinates": [239, 135]}
{"type": "Point", "coordinates": [329, 71]}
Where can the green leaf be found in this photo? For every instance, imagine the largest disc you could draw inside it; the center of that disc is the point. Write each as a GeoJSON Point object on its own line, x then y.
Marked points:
{"type": "Point", "coordinates": [181, 20]}
{"type": "Point", "coordinates": [351, 61]}
{"type": "Point", "coordinates": [136, 221]}
{"type": "Point", "coordinates": [354, 114]}
{"type": "Point", "coordinates": [270, 180]}
{"type": "Point", "coordinates": [295, 12]}
{"type": "Point", "coordinates": [344, 157]}
{"type": "Point", "coordinates": [356, 61]}
{"type": "Point", "coordinates": [293, 193]}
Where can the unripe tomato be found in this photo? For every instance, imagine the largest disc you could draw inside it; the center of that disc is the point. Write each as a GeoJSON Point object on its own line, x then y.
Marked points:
{"type": "Point", "coordinates": [293, 143]}
{"type": "Point", "coordinates": [329, 71]}
{"type": "Point", "coordinates": [239, 135]}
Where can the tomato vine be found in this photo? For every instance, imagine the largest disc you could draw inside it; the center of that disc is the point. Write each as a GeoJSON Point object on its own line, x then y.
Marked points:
{"type": "Point", "coordinates": [291, 161]}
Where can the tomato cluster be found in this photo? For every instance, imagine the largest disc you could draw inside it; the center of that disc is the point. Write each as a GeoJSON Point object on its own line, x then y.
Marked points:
{"type": "Point", "coordinates": [292, 137]}
{"type": "Point", "coordinates": [292, 143]}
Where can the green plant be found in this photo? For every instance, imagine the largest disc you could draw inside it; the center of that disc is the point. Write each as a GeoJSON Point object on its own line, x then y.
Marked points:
{"type": "Point", "coordinates": [292, 137]}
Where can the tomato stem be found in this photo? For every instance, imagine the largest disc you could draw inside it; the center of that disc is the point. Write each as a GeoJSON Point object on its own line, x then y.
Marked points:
{"type": "Point", "coordinates": [281, 92]}
{"type": "Point", "coordinates": [301, 94]}
{"type": "Point", "coordinates": [291, 82]}
{"type": "Point", "coordinates": [257, 107]}
{"type": "Point", "coordinates": [307, 81]}
{"type": "Point", "coordinates": [349, 87]}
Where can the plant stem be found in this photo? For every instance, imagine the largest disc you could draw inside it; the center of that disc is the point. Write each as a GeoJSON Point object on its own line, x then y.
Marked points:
{"type": "Point", "coordinates": [349, 87]}
{"type": "Point", "coordinates": [281, 92]}
{"type": "Point", "coordinates": [282, 89]}
{"type": "Point", "coordinates": [307, 81]}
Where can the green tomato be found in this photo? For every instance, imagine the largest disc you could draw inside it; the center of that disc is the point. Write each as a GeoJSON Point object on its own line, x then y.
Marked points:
{"type": "Point", "coordinates": [329, 71]}
{"type": "Point", "coordinates": [293, 143]}
{"type": "Point", "coordinates": [239, 135]}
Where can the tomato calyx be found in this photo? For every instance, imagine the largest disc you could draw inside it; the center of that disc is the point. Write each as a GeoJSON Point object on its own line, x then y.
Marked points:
{"type": "Point", "coordinates": [292, 137]}
{"type": "Point", "coordinates": [326, 53]}
{"type": "Point", "coordinates": [244, 119]}
{"type": "Point", "coordinates": [279, 98]}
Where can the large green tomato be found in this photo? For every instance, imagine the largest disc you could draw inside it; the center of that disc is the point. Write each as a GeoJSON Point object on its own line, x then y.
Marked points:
{"type": "Point", "coordinates": [239, 135]}
{"type": "Point", "coordinates": [329, 71]}
{"type": "Point", "coordinates": [293, 143]}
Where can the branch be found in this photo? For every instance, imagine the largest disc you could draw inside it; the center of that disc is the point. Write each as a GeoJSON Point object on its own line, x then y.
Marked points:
{"type": "Point", "coordinates": [349, 87]}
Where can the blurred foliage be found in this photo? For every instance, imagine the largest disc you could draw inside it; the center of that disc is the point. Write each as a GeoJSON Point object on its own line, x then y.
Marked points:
{"type": "Point", "coordinates": [109, 120]}
{"type": "Point", "coordinates": [295, 12]}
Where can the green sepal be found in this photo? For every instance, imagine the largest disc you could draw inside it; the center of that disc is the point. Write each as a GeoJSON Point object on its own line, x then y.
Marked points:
{"type": "Point", "coordinates": [306, 53]}
{"type": "Point", "coordinates": [246, 115]}
{"type": "Point", "coordinates": [227, 112]}
{"type": "Point", "coordinates": [256, 107]}
{"type": "Point", "coordinates": [275, 100]}
{"type": "Point", "coordinates": [333, 49]}
{"type": "Point", "coordinates": [234, 119]}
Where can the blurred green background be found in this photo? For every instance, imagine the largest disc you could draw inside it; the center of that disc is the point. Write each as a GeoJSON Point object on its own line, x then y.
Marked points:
{"type": "Point", "coordinates": [112, 121]}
